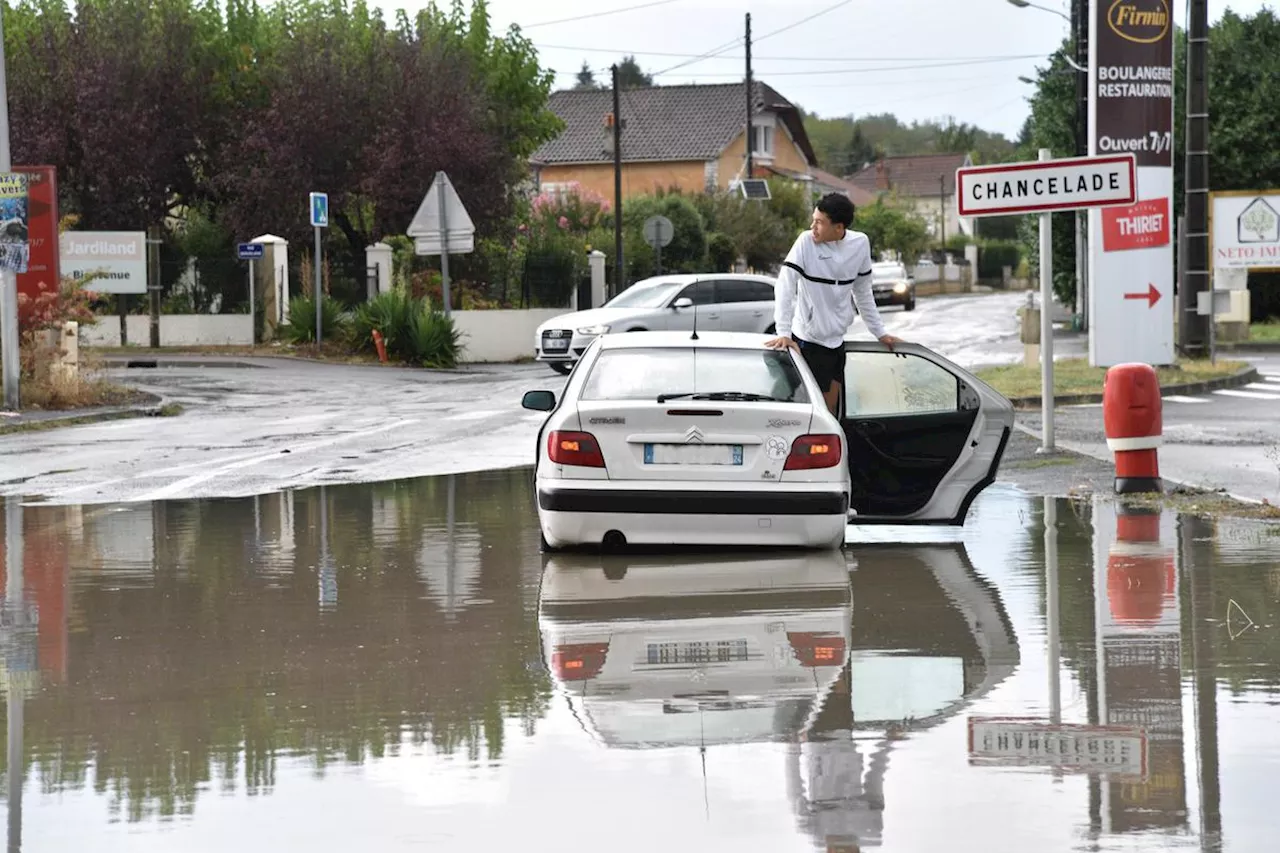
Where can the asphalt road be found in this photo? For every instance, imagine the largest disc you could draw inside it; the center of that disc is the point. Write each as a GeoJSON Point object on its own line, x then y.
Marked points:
{"type": "Point", "coordinates": [1228, 439]}
{"type": "Point", "coordinates": [286, 423]}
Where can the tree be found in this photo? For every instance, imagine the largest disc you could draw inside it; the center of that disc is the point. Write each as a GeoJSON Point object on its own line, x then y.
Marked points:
{"type": "Point", "coordinates": [586, 78]}
{"type": "Point", "coordinates": [891, 228]}
{"type": "Point", "coordinates": [631, 75]}
{"type": "Point", "coordinates": [861, 151]}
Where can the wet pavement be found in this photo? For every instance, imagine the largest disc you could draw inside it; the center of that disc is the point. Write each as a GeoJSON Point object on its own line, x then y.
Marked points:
{"type": "Point", "coordinates": [395, 666]}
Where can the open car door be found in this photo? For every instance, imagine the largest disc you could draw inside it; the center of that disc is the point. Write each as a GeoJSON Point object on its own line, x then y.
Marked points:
{"type": "Point", "coordinates": [924, 436]}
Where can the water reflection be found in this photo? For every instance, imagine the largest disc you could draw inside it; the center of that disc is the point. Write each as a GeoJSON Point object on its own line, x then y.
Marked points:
{"type": "Point", "coordinates": [1113, 672]}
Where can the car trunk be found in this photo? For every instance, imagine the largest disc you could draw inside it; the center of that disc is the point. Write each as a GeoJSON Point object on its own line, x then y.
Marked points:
{"type": "Point", "coordinates": [691, 440]}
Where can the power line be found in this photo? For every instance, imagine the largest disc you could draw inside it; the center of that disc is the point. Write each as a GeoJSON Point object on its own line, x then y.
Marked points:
{"type": "Point", "coordinates": [714, 52]}
{"type": "Point", "coordinates": [802, 21]}
{"type": "Point", "coordinates": [754, 57]}
{"type": "Point", "coordinates": [598, 14]}
{"type": "Point", "coordinates": [866, 70]}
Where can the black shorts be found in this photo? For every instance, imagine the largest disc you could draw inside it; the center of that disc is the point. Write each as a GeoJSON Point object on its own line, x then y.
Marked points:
{"type": "Point", "coordinates": [826, 364]}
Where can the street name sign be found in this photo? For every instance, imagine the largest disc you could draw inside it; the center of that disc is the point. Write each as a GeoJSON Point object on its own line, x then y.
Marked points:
{"type": "Point", "coordinates": [249, 251]}
{"type": "Point", "coordinates": [1045, 186]}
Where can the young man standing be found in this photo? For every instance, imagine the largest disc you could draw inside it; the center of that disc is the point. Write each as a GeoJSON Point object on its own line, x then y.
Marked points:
{"type": "Point", "coordinates": [827, 270]}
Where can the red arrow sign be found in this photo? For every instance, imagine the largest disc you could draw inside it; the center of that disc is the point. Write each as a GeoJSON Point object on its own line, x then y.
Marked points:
{"type": "Point", "coordinates": [1152, 295]}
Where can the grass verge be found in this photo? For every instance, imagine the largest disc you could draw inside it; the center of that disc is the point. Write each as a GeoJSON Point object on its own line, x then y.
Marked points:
{"type": "Point", "coordinates": [1265, 333]}
{"type": "Point", "coordinates": [1203, 503]}
{"type": "Point", "coordinates": [1076, 376]}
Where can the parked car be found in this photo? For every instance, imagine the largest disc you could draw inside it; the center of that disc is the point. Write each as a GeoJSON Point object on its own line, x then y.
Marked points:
{"type": "Point", "coordinates": [663, 439]}
{"type": "Point", "coordinates": [730, 302]}
{"type": "Point", "coordinates": [893, 285]}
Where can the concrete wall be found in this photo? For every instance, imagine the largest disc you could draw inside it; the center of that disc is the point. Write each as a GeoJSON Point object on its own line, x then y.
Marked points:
{"type": "Point", "coordinates": [490, 336]}
{"type": "Point", "coordinates": [175, 330]}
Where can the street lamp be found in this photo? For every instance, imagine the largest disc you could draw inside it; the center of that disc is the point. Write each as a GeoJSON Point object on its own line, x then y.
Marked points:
{"type": "Point", "coordinates": [1076, 21]}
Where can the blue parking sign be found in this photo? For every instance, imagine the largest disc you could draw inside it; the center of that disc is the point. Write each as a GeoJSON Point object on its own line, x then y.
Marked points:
{"type": "Point", "coordinates": [320, 210]}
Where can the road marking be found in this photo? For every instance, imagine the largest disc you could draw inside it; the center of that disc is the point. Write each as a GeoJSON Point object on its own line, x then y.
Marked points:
{"type": "Point", "coordinates": [475, 416]}
{"type": "Point", "coordinates": [1271, 377]}
{"type": "Point", "coordinates": [1178, 398]}
{"type": "Point", "coordinates": [174, 488]}
{"type": "Point", "coordinates": [1251, 395]}
{"type": "Point", "coordinates": [1263, 386]}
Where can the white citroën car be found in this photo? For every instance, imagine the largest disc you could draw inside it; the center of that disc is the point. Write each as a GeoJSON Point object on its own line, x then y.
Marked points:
{"type": "Point", "coordinates": [709, 438]}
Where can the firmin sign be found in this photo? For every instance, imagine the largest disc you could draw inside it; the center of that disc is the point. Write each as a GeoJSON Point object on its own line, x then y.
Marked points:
{"type": "Point", "coordinates": [1140, 21]}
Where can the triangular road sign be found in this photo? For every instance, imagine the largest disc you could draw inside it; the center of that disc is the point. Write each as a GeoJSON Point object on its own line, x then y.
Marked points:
{"type": "Point", "coordinates": [425, 226]}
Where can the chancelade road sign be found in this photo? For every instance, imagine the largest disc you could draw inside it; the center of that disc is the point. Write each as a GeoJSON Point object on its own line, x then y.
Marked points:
{"type": "Point", "coordinates": [1042, 186]}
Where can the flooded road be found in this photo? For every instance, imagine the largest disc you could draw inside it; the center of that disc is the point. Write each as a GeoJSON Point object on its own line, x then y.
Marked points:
{"type": "Point", "coordinates": [396, 667]}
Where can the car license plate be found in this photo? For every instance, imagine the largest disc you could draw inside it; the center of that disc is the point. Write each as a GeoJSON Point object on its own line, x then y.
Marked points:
{"type": "Point", "coordinates": [720, 651]}
{"type": "Point", "coordinates": [693, 454]}
{"type": "Point", "coordinates": [555, 344]}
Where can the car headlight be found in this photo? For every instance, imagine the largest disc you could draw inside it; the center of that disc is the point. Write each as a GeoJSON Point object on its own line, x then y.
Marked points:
{"type": "Point", "coordinates": [593, 330]}
{"type": "Point", "coordinates": [900, 287]}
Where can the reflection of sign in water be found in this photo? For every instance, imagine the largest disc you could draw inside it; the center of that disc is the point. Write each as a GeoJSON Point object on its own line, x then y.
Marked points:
{"type": "Point", "coordinates": [1028, 741]}
{"type": "Point", "coordinates": [14, 249]}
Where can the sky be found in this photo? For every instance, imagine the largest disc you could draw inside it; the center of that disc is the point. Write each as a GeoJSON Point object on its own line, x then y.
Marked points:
{"type": "Point", "coordinates": [918, 59]}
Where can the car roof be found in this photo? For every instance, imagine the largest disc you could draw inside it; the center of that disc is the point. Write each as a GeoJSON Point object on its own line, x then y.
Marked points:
{"type": "Point", "coordinates": [690, 278]}
{"type": "Point", "coordinates": [706, 340]}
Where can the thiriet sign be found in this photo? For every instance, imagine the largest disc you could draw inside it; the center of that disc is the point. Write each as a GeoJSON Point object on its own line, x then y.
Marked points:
{"type": "Point", "coordinates": [118, 257]}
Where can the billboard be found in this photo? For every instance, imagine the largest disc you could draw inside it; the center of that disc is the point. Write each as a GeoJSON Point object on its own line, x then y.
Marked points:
{"type": "Point", "coordinates": [1131, 250]}
{"type": "Point", "coordinates": [42, 271]}
{"type": "Point", "coordinates": [119, 257]}
{"type": "Point", "coordinates": [1245, 229]}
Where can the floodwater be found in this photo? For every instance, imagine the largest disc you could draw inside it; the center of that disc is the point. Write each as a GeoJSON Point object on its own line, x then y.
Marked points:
{"type": "Point", "coordinates": [395, 667]}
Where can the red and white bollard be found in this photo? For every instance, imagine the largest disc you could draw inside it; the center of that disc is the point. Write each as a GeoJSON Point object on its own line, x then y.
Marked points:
{"type": "Point", "coordinates": [1133, 420]}
{"type": "Point", "coordinates": [1141, 575]}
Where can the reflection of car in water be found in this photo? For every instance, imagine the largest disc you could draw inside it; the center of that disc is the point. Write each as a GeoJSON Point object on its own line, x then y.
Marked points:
{"type": "Point", "coordinates": [929, 637]}
{"type": "Point", "coordinates": [839, 666]}
{"type": "Point", "coordinates": [712, 650]}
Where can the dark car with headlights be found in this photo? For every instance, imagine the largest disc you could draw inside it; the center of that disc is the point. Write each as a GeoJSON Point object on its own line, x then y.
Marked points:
{"type": "Point", "coordinates": [893, 285]}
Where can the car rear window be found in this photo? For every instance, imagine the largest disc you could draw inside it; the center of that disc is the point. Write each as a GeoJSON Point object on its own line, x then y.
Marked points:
{"type": "Point", "coordinates": [643, 373]}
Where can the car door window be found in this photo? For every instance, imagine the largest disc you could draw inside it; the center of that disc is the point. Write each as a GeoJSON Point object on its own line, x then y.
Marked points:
{"type": "Point", "coordinates": [879, 384]}
{"type": "Point", "coordinates": [701, 292]}
{"type": "Point", "coordinates": [761, 292]}
{"type": "Point", "coordinates": [729, 291]}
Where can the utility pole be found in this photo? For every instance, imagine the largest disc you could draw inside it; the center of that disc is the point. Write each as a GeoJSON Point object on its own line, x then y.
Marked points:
{"type": "Point", "coordinates": [942, 202]}
{"type": "Point", "coordinates": [618, 266]}
{"type": "Point", "coordinates": [1196, 329]}
{"type": "Point", "coordinates": [8, 278]}
{"type": "Point", "coordinates": [750, 105]}
{"type": "Point", "coordinates": [1080, 21]}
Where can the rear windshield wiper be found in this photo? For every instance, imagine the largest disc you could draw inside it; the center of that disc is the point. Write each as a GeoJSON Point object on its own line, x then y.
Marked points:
{"type": "Point", "coordinates": [745, 396]}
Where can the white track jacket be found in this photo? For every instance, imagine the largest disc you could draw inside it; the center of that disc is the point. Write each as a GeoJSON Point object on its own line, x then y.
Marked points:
{"type": "Point", "coordinates": [818, 286]}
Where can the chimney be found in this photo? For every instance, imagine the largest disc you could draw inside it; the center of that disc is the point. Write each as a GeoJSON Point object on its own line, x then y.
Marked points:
{"type": "Point", "coordinates": [882, 175]}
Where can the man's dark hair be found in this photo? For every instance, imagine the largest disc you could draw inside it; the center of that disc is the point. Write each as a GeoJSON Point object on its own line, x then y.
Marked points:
{"type": "Point", "coordinates": [838, 208]}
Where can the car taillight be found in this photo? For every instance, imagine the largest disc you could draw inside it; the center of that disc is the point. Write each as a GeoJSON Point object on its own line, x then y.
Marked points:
{"type": "Point", "coordinates": [817, 649]}
{"type": "Point", "coordinates": [814, 451]}
{"type": "Point", "coordinates": [575, 448]}
{"type": "Point", "coordinates": [579, 662]}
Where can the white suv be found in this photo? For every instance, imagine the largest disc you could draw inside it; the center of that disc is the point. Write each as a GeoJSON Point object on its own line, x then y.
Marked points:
{"type": "Point", "coordinates": [722, 302]}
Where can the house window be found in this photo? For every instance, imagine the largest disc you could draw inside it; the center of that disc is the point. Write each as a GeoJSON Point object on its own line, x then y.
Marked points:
{"type": "Point", "coordinates": [762, 140]}
{"type": "Point", "coordinates": [557, 192]}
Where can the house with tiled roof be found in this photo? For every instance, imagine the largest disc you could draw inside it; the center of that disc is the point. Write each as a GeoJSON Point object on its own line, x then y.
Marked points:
{"type": "Point", "coordinates": [692, 137]}
{"type": "Point", "coordinates": [925, 181]}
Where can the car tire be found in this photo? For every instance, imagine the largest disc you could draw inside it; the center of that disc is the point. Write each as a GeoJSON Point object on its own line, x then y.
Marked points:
{"type": "Point", "coordinates": [560, 367]}
{"type": "Point", "coordinates": [910, 304]}
{"type": "Point", "coordinates": [772, 330]}
{"type": "Point", "coordinates": [637, 329]}
{"type": "Point", "coordinates": [543, 545]}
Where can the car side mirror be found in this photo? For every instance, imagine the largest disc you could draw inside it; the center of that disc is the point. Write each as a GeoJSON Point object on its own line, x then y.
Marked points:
{"type": "Point", "coordinates": [539, 401]}
{"type": "Point", "coordinates": [682, 302]}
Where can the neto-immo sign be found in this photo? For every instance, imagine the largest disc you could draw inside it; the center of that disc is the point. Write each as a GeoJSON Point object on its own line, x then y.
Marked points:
{"type": "Point", "coordinates": [1044, 186]}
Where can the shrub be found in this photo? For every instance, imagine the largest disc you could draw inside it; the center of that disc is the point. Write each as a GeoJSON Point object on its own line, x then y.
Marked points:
{"type": "Point", "coordinates": [392, 315]}
{"type": "Point", "coordinates": [994, 255]}
{"type": "Point", "coordinates": [301, 328]}
{"type": "Point", "coordinates": [435, 339]}
{"type": "Point", "coordinates": [722, 254]}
